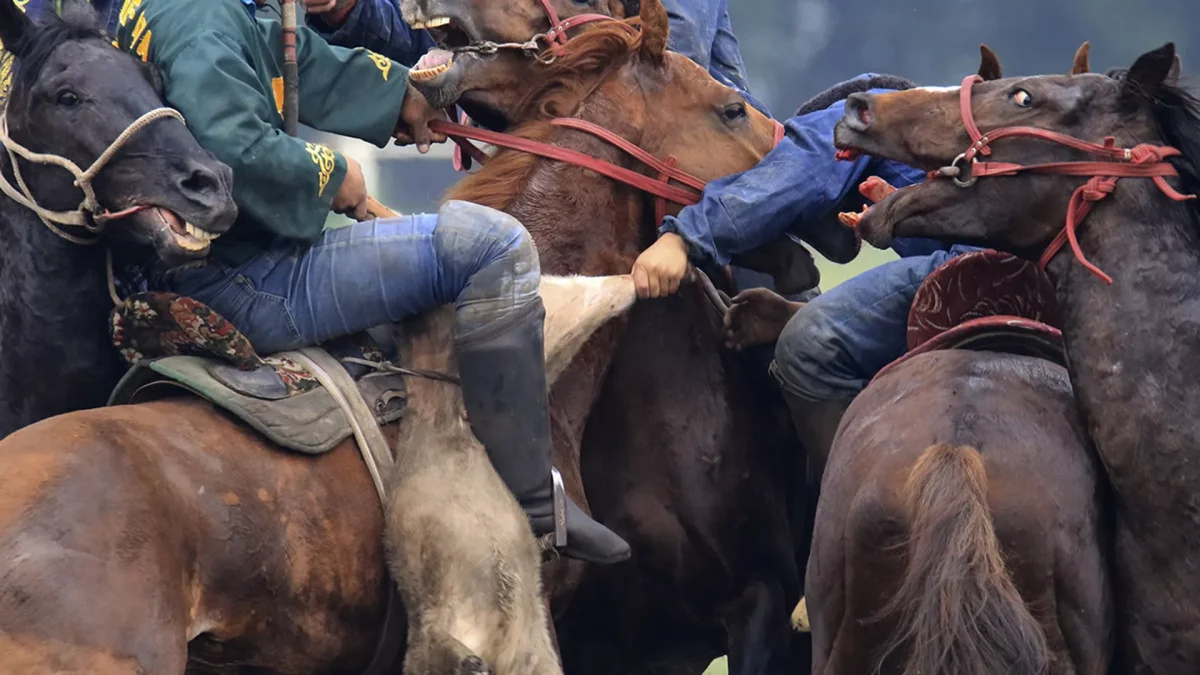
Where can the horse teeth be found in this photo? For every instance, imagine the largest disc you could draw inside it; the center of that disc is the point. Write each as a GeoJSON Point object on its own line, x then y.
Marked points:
{"type": "Point", "coordinates": [436, 22]}
{"type": "Point", "coordinates": [428, 73]}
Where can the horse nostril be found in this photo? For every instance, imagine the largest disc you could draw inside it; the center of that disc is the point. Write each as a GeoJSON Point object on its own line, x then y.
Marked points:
{"type": "Point", "coordinates": [200, 181]}
{"type": "Point", "coordinates": [858, 112]}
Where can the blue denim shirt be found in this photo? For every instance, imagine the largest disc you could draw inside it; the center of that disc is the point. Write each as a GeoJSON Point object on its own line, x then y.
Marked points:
{"type": "Point", "coordinates": [701, 31]}
{"type": "Point", "coordinates": [797, 183]}
{"type": "Point", "coordinates": [378, 26]}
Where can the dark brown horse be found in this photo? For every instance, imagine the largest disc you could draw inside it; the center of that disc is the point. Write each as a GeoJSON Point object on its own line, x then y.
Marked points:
{"type": "Point", "coordinates": [1132, 341]}
{"type": "Point", "coordinates": [193, 540]}
{"type": "Point", "coordinates": [961, 526]}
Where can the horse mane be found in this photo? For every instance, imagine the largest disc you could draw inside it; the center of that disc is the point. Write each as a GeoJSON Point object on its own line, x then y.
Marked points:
{"type": "Point", "coordinates": [840, 91]}
{"type": "Point", "coordinates": [588, 61]}
{"type": "Point", "coordinates": [78, 22]}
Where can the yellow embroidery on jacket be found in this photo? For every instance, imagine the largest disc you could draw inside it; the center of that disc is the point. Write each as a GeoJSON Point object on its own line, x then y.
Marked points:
{"type": "Point", "coordinates": [383, 63]}
{"type": "Point", "coordinates": [325, 160]}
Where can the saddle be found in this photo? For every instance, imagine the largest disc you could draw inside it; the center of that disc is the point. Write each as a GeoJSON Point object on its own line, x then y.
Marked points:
{"type": "Point", "coordinates": [987, 301]}
{"type": "Point", "coordinates": [175, 344]}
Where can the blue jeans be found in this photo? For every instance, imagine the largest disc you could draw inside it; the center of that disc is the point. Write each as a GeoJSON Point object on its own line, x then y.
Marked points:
{"type": "Point", "coordinates": [837, 342]}
{"type": "Point", "coordinates": [368, 274]}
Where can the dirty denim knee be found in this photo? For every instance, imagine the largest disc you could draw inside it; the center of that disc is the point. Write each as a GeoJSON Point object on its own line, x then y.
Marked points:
{"type": "Point", "coordinates": [837, 342]}
{"type": "Point", "coordinates": [497, 259]}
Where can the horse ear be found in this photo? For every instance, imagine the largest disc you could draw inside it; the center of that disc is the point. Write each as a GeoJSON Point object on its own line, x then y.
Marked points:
{"type": "Point", "coordinates": [656, 30]}
{"type": "Point", "coordinates": [1173, 73]}
{"type": "Point", "coordinates": [15, 27]}
{"type": "Point", "coordinates": [1081, 65]}
{"type": "Point", "coordinates": [1149, 72]}
{"type": "Point", "coordinates": [989, 63]}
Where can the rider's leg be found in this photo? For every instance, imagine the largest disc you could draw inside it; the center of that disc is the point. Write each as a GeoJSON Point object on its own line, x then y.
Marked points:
{"type": "Point", "coordinates": [834, 345]}
{"type": "Point", "coordinates": [372, 273]}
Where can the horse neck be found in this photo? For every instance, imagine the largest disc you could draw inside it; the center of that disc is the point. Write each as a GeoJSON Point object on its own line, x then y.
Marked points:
{"type": "Point", "coordinates": [583, 223]}
{"type": "Point", "coordinates": [1132, 345]}
{"type": "Point", "coordinates": [56, 355]}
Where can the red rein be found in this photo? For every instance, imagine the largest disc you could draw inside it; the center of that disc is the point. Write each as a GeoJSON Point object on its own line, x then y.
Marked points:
{"type": "Point", "coordinates": [1142, 161]}
{"type": "Point", "coordinates": [660, 186]}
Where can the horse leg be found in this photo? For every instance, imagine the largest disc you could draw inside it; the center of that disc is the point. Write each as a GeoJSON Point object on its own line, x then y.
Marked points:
{"type": "Point", "coordinates": [433, 652]}
{"type": "Point", "coordinates": [758, 629]}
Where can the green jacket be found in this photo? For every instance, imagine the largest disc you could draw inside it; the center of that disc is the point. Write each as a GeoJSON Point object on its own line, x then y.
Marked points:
{"type": "Point", "coordinates": [222, 68]}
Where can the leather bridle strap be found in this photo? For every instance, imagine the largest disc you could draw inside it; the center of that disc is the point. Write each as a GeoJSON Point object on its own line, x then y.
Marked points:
{"type": "Point", "coordinates": [620, 174]}
{"type": "Point", "coordinates": [1141, 161]}
{"type": "Point", "coordinates": [556, 37]}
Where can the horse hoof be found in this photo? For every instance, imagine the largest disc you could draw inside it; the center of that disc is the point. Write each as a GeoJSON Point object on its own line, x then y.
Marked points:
{"type": "Point", "coordinates": [473, 665]}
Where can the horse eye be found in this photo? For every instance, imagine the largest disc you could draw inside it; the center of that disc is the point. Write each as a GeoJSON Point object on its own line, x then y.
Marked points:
{"type": "Point", "coordinates": [1022, 98]}
{"type": "Point", "coordinates": [68, 98]}
{"type": "Point", "coordinates": [734, 112]}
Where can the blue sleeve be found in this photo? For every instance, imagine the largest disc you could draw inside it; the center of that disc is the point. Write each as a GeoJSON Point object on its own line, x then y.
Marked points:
{"type": "Point", "coordinates": [798, 182]}
{"type": "Point", "coordinates": [726, 63]}
{"type": "Point", "coordinates": [378, 26]}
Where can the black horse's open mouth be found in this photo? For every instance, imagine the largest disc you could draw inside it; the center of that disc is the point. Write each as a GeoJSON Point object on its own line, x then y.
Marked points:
{"type": "Point", "coordinates": [166, 228]}
{"type": "Point", "coordinates": [434, 64]}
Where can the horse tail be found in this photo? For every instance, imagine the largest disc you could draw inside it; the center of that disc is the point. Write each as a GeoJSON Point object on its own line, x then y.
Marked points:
{"type": "Point", "coordinates": [959, 611]}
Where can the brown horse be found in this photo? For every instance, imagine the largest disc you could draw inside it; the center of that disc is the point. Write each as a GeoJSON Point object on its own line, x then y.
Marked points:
{"type": "Point", "coordinates": [1130, 341]}
{"type": "Point", "coordinates": [676, 484]}
{"type": "Point", "coordinates": [242, 556]}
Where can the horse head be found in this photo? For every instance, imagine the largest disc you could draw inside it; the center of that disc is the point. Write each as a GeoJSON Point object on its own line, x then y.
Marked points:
{"type": "Point", "coordinates": [997, 123]}
{"type": "Point", "coordinates": [75, 96]}
{"type": "Point", "coordinates": [626, 81]}
{"type": "Point", "coordinates": [487, 82]}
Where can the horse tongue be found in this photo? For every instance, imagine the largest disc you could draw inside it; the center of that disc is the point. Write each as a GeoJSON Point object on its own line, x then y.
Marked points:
{"type": "Point", "coordinates": [434, 59]}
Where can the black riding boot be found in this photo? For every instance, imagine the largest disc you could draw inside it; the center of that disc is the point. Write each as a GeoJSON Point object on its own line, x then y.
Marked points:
{"type": "Point", "coordinates": [504, 390]}
{"type": "Point", "coordinates": [816, 424]}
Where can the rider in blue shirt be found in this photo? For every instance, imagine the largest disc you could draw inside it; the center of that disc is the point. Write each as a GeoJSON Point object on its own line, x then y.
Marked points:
{"type": "Point", "coordinates": [834, 345]}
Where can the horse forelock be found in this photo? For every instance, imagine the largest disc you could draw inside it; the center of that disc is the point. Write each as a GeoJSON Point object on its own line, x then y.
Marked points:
{"type": "Point", "coordinates": [77, 22]}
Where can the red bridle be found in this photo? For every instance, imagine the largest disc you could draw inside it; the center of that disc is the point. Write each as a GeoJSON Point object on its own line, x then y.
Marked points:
{"type": "Point", "coordinates": [660, 187]}
{"type": "Point", "coordinates": [556, 37]}
{"type": "Point", "coordinates": [1141, 161]}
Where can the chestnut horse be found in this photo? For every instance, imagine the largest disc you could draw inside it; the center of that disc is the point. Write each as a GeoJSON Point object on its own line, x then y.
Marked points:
{"type": "Point", "coordinates": [961, 525]}
{"type": "Point", "coordinates": [699, 585]}
{"type": "Point", "coordinates": [1128, 292]}
{"type": "Point", "coordinates": [192, 539]}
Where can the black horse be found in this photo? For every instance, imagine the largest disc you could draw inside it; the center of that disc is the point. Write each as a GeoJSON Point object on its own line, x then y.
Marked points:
{"type": "Point", "coordinates": [72, 96]}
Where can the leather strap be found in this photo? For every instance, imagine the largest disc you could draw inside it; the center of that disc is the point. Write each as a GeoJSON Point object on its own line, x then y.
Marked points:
{"type": "Point", "coordinates": [1140, 161]}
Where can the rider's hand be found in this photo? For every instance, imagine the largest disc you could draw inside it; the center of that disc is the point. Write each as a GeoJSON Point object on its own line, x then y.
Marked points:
{"type": "Point", "coordinates": [332, 12]}
{"type": "Point", "coordinates": [413, 126]}
{"type": "Point", "coordinates": [660, 269]}
{"type": "Point", "coordinates": [351, 197]}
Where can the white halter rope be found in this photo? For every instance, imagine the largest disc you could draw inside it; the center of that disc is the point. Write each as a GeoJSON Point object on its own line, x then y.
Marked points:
{"type": "Point", "coordinates": [90, 215]}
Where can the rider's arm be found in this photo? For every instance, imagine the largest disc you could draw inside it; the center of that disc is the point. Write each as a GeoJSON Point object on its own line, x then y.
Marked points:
{"type": "Point", "coordinates": [281, 182]}
{"type": "Point", "coordinates": [798, 182]}
{"type": "Point", "coordinates": [726, 60]}
{"type": "Point", "coordinates": [349, 92]}
{"type": "Point", "coordinates": [376, 25]}
{"type": "Point", "coordinates": [715, 49]}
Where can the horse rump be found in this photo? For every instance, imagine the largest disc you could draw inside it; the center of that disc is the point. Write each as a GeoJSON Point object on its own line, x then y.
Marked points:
{"type": "Point", "coordinates": [958, 611]}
